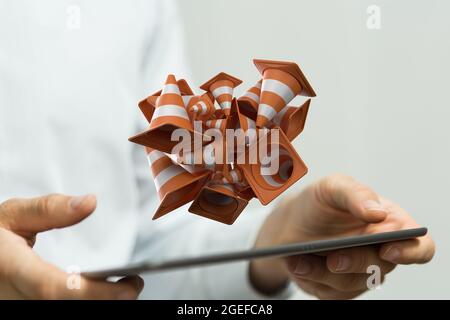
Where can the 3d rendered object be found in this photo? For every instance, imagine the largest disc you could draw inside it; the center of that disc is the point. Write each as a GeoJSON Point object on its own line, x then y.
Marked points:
{"type": "Point", "coordinates": [217, 176]}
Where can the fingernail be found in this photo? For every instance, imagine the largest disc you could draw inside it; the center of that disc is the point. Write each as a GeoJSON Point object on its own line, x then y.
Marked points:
{"type": "Point", "coordinates": [392, 254]}
{"type": "Point", "coordinates": [126, 295]}
{"type": "Point", "coordinates": [76, 202]}
{"type": "Point", "coordinates": [303, 266]}
{"type": "Point", "coordinates": [373, 205]}
{"type": "Point", "coordinates": [343, 263]}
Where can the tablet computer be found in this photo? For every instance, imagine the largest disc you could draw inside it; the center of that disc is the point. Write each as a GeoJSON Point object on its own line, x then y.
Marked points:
{"type": "Point", "coordinates": [276, 251]}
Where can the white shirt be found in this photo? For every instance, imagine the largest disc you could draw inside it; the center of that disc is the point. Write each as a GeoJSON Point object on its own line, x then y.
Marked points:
{"type": "Point", "coordinates": [71, 74]}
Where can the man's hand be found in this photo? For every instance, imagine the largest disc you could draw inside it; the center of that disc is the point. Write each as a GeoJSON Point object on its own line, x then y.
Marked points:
{"type": "Point", "coordinates": [23, 275]}
{"type": "Point", "coordinates": [336, 206]}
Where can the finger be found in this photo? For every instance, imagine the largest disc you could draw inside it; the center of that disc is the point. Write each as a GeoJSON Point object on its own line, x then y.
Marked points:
{"type": "Point", "coordinates": [344, 193]}
{"type": "Point", "coordinates": [357, 260]}
{"type": "Point", "coordinates": [420, 250]}
{"type": "Point", "coordinates": [313, 268]}
{"type": "Point", "coordinates": [45, 213]}
{"type": "Point", "coordinates": [36, 279]}
{"type": "Point", "coordinates": [127, 288]}
{"type": "Point", "coordinates": [325, 292]}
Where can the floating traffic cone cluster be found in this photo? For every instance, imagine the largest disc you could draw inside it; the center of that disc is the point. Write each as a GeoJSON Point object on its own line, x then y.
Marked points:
{"type": "Point", "coordinates": [220, 177]}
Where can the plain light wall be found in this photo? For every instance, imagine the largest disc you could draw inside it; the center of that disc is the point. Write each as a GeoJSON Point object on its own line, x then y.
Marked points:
{"type": "Point", "coordinates": [382, 111]}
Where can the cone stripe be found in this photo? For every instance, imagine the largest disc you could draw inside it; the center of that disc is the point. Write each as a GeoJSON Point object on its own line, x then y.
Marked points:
{"type": "Point", "coordinates": [217, 123]}
{"type": "Point", "coordinates": [279, 88]}
{"type": "Point", "coordinates": [233, 176]}
{"type": "Point", "coordinates": [166, 175]}
{"type": "Point", "coordinates": [171, 88]}
{"type": "Point", "coordinates": [267, 111]}
{"type": "Point", "coordinates": [278, 180]}
{"type": "Point", "coordinates": [203, 107]}
{"type": "Point", "coordinates": [222, 90]}
{"type": "Point", "coordinates": [250, 124]}
{"type": "Point", "coordinates": [251, 96]}
{"type": "Point", "coordinates": [154, 156]}
{"type": "Point", "coordinates": [170, 110]}
{"type": "Point", "coordinates": [226, 104]}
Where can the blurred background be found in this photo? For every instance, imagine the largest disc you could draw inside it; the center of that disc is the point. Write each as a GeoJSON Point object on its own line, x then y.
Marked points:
{"type": "Point", "coordinates": [380, 70]}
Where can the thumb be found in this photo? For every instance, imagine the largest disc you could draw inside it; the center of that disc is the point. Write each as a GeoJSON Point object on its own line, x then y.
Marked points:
{"type": "Point", "coordinates": [344, 193]}
{"type": "Point", "coordinates": [45, 213]}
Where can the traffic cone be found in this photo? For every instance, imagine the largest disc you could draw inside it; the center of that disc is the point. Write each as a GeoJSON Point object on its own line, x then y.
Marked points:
{"type": "Point", "coordinates": [203, 109]}
{"type": "Point", "coordinates": [249, 102]}
{"type": "Point", "coordinates": [218, 202]}
{"type": "Point", "coordinates": [175, 185]}
{"type": "Point", "coordinates": [266, 185]}
{"type": "Point", "coordinates": [169, 115]}
{"type": "Point", "coordinates": [148, 105]}
{"type": "Point", "coordinates": [282, 81]}
{"type": "Point", "coordinates": [221, 86]}
{"type": "Point", "coordinates": [292, 119]}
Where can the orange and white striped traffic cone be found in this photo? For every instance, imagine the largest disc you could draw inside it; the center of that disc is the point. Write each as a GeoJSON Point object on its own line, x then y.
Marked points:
{"type": "Point", "coordinates": [175, 185]}
{"type": "Point", "coordinates": [282, 81]}
{"type": "Point", "coordinates": [203, 109]}
{"type": "Point", "coordinates": [170, 107]}
{"type": "Point", "coordinates": [218, 202]}
{"type": "Point", "coordinates": [292, 119]}
{"type": "Point", "coordinates": [169, 115]}
{"type": "Point", "coordinates": [221, 86]}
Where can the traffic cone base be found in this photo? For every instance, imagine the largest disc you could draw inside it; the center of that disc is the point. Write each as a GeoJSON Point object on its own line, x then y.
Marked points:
{"type": "Point", "coordinates": [292, 119]}
{"type": "Point", "coordinates": [289, 67]}
{"type": "Point", "coordinates": [185, 89]}
{"type": "Point", "coordinates": [221, 76]}
{"type": "Point", "coordinates": [219, 203]}
{"type": "Point", "coordinates": [247, 193]}
{"type": "Point", "coordinates": [291, 169]}
{"type": "Point", "coordinates": [160, 138]}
